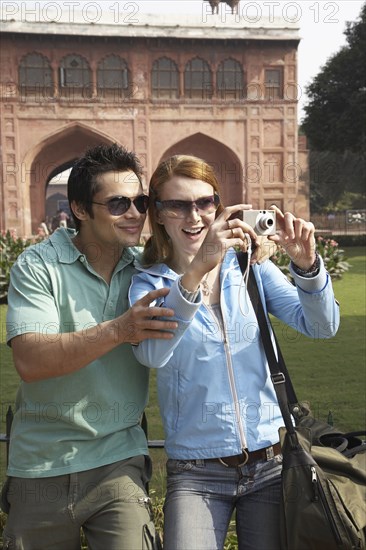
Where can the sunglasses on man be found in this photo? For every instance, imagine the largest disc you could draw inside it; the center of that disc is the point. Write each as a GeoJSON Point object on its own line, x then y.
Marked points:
{"type": "Point", "coordinates": [119, 205]}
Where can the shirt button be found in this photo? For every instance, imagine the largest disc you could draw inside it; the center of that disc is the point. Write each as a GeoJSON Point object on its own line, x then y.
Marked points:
{"type": "Point", "coordinates": [82, 259]}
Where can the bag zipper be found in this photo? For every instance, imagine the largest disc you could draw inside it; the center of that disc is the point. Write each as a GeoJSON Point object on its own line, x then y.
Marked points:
{"type": "Point", "coordinates": [314, 483]}
{"type": "Point", "coordinates": [318, 489]}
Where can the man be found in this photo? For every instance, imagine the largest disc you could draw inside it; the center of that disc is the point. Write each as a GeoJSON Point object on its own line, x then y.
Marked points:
{"type": "Point", "coordinates": [64, 218]}
{"type": "Point", "coordinates": [78, 455]}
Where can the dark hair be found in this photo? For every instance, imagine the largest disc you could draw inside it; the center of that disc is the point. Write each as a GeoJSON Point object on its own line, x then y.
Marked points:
{"type": "Point", "coordinates": [158, 248]}
{"type": "Point", "coordinates": [83, 181]}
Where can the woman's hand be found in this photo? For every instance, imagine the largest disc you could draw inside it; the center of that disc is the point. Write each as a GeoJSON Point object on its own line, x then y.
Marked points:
{"type": "Point", "coordinates": [225, 232]}
{"type": "Point", "coordinates": [296, 236]}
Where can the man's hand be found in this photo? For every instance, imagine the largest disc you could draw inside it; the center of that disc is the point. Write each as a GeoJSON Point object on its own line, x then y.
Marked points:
{"type": "Point", "coordinates": [141, 321]}
{"type": "Point", "coordinates": [38, 358]}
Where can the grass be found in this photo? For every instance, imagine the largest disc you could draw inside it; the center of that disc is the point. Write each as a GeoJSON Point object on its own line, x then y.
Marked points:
{"type": "Point", "coordinates": [331, 374]}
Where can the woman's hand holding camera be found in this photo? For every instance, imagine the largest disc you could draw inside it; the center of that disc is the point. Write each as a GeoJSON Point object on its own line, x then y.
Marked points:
{"type": "Point", "coordinates": [296, 236]}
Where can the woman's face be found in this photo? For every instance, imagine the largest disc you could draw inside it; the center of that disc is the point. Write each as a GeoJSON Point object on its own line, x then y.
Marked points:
{"type": "Point", "coordinates": [187, 233]}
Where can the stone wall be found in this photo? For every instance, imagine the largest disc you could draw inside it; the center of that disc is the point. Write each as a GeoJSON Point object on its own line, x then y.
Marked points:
{"type": "Point", "coordinates": [251, 141]}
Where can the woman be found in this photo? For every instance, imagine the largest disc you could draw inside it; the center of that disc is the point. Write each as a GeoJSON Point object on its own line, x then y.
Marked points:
{"type": "Point", "coordinates": [217, 401]}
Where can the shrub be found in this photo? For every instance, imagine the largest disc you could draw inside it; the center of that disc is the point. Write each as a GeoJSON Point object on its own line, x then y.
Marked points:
{"type": "Point", "coordinates": [10, 247]}
{"type": "Point", "coordinates": [347, 240]}
{"type": "Point", "coordinates": [333, 257]}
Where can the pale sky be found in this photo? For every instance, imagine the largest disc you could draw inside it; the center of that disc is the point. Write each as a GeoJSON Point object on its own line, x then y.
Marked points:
{"type": "Point", "coordinates": [321, 23]}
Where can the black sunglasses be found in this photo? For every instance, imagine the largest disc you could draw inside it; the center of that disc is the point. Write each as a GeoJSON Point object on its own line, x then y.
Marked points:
{"type": "Point", "coordinates": [119, 205]}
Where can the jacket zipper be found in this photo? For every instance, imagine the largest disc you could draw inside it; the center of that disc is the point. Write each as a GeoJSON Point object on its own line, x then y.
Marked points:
{"type": "Point", "coordinates": [318, 489]}
{"type": "Point", "coordinates": [243, 441]}
{"type": "Point", "coordinates": [234, 394]}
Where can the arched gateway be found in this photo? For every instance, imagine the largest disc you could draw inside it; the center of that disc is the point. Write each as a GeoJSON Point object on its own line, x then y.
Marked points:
{"type": "Point", "coordinates": [225, 162]}
{"type": "Point", "coordinates": [54, 153]}
{"type": "Point", "coordinates": [223, 90]}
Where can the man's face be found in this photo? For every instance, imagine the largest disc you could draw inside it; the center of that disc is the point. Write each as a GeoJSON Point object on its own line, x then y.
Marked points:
{"type": "Point", "coordinates": [106, 229]}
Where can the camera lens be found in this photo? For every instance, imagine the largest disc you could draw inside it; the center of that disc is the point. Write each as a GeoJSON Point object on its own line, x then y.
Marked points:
{"type": "Point", "coordinates": [265, 221]}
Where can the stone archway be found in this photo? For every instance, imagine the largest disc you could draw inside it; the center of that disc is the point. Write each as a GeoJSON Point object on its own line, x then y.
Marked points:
{"type": "Point", "coordinates": [55, 152]}
{"type": "Point", "coordinates": [225, 162]}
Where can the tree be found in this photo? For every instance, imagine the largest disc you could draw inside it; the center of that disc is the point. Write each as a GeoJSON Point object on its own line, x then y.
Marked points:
{"type": "Point", "coordinates": [335, 120]}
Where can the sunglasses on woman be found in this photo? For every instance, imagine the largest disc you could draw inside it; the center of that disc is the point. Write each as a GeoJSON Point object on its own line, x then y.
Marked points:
{"type": "Point", "coordinates": [119, 205]}
{"type": "Point", "coordinates": [182, 209]}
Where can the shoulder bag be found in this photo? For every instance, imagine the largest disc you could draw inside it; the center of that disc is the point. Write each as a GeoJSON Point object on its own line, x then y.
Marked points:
{"type": "Point", "coordinates": [323, 504]}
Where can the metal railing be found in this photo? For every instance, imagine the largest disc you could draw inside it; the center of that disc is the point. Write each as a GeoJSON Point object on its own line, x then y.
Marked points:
{"type": "Point", "coordinates": [5, 438]}
{"type": "Point", "coordinates": [350, 222]}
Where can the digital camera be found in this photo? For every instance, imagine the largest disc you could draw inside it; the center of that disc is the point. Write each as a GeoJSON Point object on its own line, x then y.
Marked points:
{"type": "Point", "coordinates": [262, 221]}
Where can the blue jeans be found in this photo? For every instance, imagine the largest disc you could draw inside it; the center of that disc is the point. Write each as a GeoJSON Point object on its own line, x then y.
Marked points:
{"type": "Point", "coordinates": [202, 495]}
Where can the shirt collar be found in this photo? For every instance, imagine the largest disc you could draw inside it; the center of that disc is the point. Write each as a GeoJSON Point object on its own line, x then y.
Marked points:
{"type": "Point", "coordinates": [162, 270]}
{"type": "Point", "coordinates": [67, 253]}
{"type": "Point", "coordinates": [65, 250]}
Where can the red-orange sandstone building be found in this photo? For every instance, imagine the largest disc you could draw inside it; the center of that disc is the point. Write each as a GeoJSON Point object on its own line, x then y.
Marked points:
{"type": "Point", "coordinates": [221, 89]}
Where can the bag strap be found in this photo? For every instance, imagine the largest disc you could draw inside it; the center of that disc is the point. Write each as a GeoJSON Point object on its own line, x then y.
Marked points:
{"type": "Point", "coordinates": [280, 377]}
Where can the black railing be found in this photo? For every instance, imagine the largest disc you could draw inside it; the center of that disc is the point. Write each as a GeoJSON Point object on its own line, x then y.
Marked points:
{"type": "Point", "coordinates": [5, 438]}
{"type": "Point", "coordinates": [350, 222]}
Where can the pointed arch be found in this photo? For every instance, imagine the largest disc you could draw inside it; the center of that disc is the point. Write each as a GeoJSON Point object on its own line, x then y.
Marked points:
{"type": "Point", "coordinates": [165, 79]}
{"type": "Point", "coordinates": [230, 79]}
{"type": "Point", "coordinates": [52, 154]}
{"type": "Point", "coordinates": [224, 160]}
{"type": "Point", "coordinates": [75, 77]}
{"type": "Point", "coordinates": [35, 75]}
{"type": "Point", "coordinates": [198, 79]}
{"type": "Point", "coordinates": [113, 76]}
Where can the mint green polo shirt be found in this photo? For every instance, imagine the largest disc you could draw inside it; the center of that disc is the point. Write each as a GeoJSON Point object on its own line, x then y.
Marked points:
{"type": "Point", "coordinates": [91, 417]}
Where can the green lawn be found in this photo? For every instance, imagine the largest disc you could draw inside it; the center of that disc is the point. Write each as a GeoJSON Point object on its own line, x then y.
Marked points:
{"type": "Point", "coordinates": [331, 374]}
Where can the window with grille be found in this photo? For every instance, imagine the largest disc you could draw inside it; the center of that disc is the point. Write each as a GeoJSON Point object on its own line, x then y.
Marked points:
{"type": "Point", "coordinates": [198, 80]}
{"type": "Point", "coordinates": [75, 77]}
{"type": "Point", "coordinates": [273, 84]}
{"type": "Point", "coordinates": [165, 79]}
{"type": "Point", "coordinates": [112, 77]}
{"type": "Point", "coordinates": [35, 76]}
{"type": "Point", "coordinates": [230, 80]}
